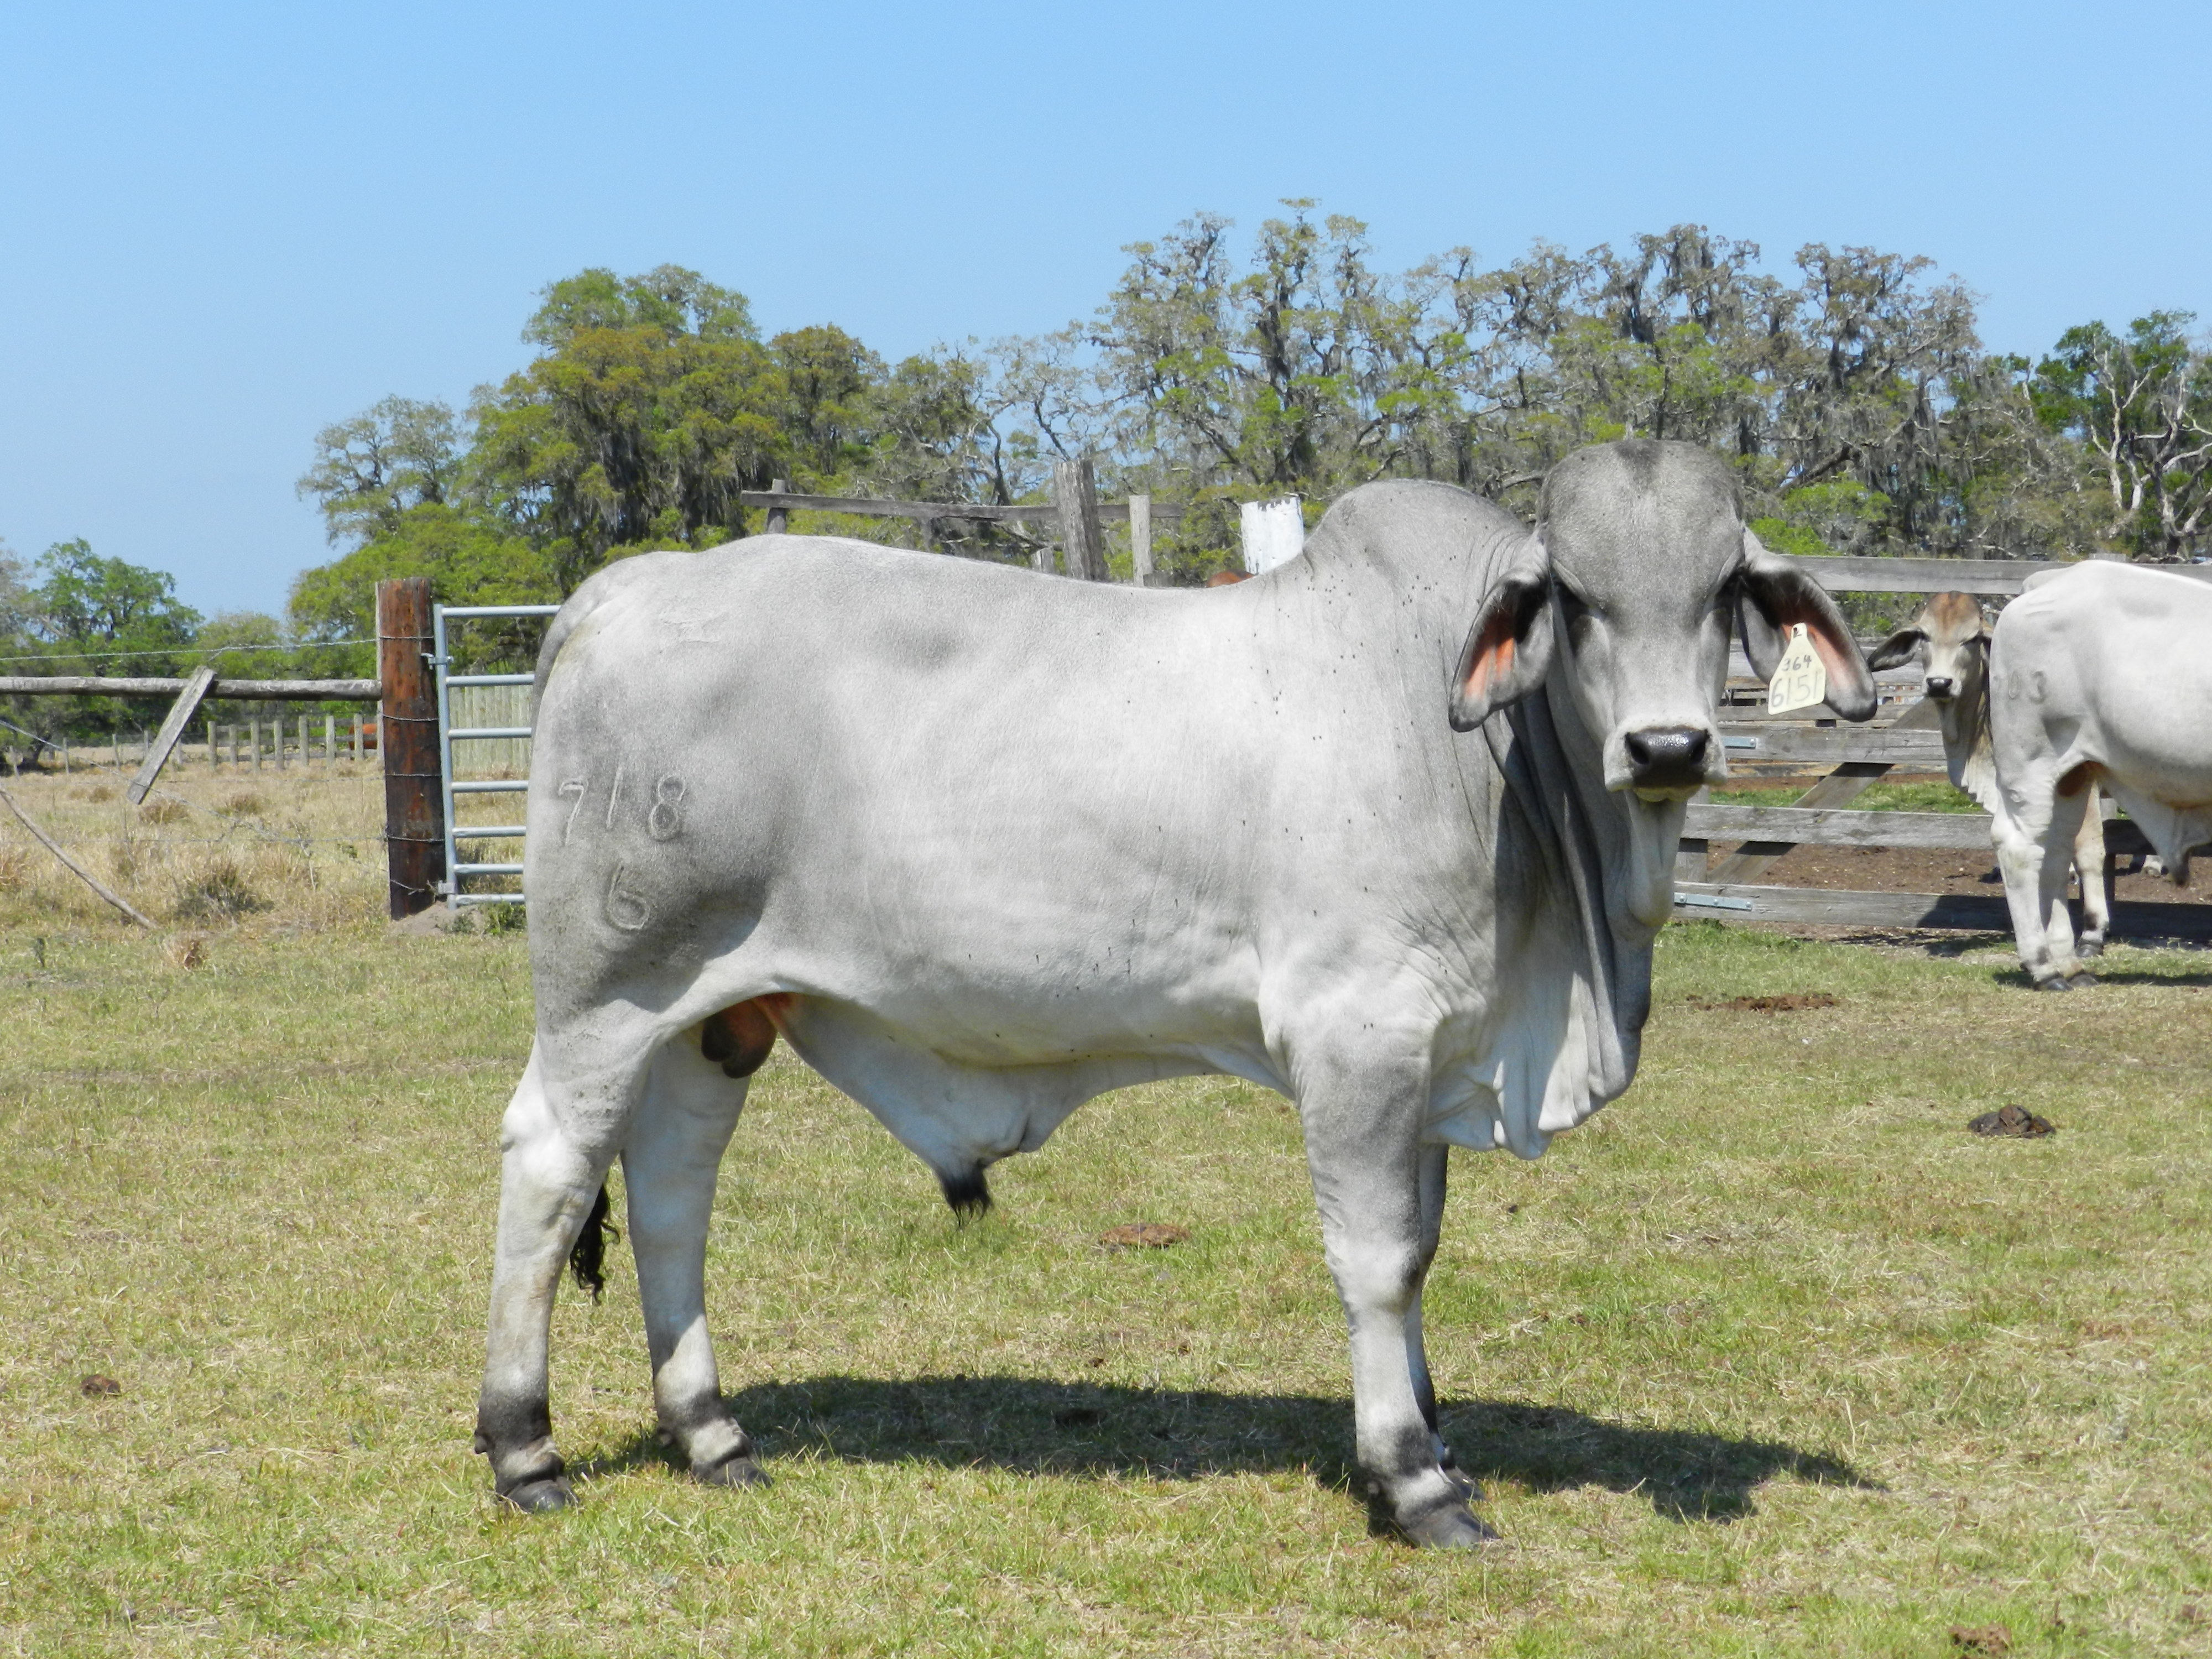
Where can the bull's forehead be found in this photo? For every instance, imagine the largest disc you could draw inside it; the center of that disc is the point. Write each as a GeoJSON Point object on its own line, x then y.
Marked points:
{"type": "Point", "coordinates": [1951, 619]}
{"type": "Point", "coordinates": [1642, 521]}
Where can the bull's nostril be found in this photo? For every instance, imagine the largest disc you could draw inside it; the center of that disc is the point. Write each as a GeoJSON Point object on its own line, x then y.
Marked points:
{"type": "Point", "coordinates": [1938, 686]}
{"type": "Point", "coordinates": [1667, 757]}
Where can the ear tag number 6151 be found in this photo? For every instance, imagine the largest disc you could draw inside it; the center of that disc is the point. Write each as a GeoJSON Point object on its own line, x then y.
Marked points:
{"type": "Point", "coordinates": [1801, 679]}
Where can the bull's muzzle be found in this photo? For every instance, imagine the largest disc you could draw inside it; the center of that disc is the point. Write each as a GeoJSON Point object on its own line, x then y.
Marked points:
{"type": "Point", "coordinates": [1667, 758]}
{"type": "Point", "coordinates": [1940, 688]}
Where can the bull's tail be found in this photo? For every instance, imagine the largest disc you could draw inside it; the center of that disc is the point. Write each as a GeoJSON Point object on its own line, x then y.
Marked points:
{"type": "Point", "coordinates": [587, 1256]}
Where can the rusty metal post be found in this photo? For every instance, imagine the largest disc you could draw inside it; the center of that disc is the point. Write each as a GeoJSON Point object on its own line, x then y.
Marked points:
{"type": "Point", "coordinates": [414, 810]}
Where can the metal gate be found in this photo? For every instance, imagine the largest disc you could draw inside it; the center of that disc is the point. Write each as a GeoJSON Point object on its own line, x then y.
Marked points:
{"type": "Point", "coordinates": [448, 734]}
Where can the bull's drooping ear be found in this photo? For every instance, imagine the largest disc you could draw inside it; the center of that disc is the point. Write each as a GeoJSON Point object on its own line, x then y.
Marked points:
{"type": "Point", "coordinates": [1896, 649]}
{"type": "Point", "coordinates": [1772, 595]}
{"type": "Point", "coordinates": [1509, 650]}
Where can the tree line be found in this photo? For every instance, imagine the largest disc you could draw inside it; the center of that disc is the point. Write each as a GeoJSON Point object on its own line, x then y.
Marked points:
{"type": "Point", "coordinates": [1851, 390]}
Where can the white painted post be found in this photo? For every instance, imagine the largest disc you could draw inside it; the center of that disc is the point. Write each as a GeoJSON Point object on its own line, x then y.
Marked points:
{"type": "Point", "coordinates": [1140, 540]}
{"type": "Point", "coordinates": [1274, 533]}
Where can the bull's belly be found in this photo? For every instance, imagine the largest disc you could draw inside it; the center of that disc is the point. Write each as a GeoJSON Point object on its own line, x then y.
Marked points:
{"type": "Point", "coordinates": [962, 1106]}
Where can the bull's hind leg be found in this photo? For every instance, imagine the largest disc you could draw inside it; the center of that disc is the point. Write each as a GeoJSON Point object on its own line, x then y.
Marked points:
{"type": "Point", "coordinates": [1369, 1173]}
{"type": "Point", "coordinates": [549, 1183]}
{"type": "Point", "coordinates": [670, 1162]}
{"type": "Point", "coordinates": [2034, 852]}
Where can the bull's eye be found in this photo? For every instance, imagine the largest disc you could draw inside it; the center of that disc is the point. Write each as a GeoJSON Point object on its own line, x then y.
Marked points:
{"type": "Point", "coordinates": [1579, 615]}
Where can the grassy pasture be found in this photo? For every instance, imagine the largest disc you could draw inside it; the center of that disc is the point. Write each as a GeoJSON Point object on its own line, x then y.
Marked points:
{"type": "Point", "coordinates": [1771, 1358]}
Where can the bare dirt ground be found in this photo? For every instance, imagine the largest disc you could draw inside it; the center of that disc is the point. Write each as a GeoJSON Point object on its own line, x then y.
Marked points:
{"type": "Point", "coordinates": [1927, 869]}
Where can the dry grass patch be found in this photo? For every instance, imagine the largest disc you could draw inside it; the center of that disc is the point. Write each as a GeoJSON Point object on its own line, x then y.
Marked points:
{"type": "Point", "coordinates": [303, 850]}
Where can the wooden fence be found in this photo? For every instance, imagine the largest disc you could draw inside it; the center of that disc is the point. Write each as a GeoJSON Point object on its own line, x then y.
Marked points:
{"type": "Point", "coordinates": [274, 742]}
{"type": "Point", "coordinates": [505, 706]}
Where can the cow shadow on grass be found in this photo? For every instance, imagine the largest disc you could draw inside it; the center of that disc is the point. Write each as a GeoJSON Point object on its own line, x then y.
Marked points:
{"type": "Point", "coordinates": [2107, 972]}
{"type": "Point", "coordinates": [1035, 1425]}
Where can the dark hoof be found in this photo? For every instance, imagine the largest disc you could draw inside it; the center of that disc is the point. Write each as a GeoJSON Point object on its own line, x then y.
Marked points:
{"type": "Point", "coordinates": [739, 1471]}
{"type": "Point", "coordinates": [1451, 1527]}
{"type": "Point", "coordinates": [2054, 985]}
{"type": "Point", "coordinates": [2082, 981]}
{"type": "Point", "coordinates": [2090, 947]}
{"type": "Point", "coordinates": [541, 1496]}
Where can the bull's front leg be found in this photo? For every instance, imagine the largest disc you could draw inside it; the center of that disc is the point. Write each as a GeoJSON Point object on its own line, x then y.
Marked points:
{"type": "Point", "coordinates": [1371, 1177]}
{"type": "Point", "coordinates": [1433, 1168]}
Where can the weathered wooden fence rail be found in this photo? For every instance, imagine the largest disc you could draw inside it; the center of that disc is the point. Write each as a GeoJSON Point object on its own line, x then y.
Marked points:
{"type": "Point", "coordinates": [1843, 762]}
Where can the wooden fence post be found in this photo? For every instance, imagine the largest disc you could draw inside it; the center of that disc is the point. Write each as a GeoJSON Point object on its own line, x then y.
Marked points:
{"type": "Point", "coordinates": [414, 812]}
{"type": "Point", "coordinates": [1140, 540]}
{"type": "Point", "coordinates": [253, 739]}
{"type": "Point", "coordinates": [778, 519]}
{"type": "Point", "coordinates": [172, 731]}
{"type": "Point", "coordinates": [1075, 492]}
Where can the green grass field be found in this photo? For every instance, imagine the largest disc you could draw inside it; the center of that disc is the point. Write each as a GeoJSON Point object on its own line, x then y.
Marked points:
{"type": "Point", "coordinates": [1771, 1358]}
{"type": "Point", "coordinates": [1923, 797]}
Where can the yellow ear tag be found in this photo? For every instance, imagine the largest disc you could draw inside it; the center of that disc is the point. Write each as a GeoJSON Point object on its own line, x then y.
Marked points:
{"type": "Point", "coordinates": [1801, 679]}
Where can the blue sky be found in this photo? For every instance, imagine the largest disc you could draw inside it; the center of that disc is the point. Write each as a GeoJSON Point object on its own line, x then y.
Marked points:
{"type": "Point", "coordinates": [222, 227]}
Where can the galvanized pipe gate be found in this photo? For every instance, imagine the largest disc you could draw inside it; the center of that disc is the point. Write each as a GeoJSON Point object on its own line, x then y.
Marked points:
{"type": "Point", "coordinates": [449, 734]}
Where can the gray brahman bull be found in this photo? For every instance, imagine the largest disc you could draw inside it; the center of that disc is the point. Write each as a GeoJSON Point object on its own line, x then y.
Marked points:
{"type": "Point", "coordinates": [2101, 678]}
{"type": "Point", "coordinates": [1952, 633]}
{"type": "Point", "coordinates": [1390, 830]}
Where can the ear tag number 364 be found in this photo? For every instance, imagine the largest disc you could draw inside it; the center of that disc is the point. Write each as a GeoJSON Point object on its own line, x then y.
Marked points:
{"type": "Point", "coordinates": [1801, 679]}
